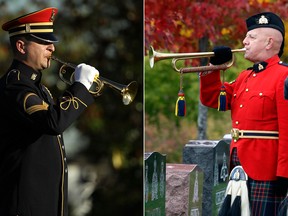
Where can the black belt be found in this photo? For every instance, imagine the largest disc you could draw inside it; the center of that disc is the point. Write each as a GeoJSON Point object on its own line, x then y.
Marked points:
{"type": "Point", "coordinates": [253, 134]}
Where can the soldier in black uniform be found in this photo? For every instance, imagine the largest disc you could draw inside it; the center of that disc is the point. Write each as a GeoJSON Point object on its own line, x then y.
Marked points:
{"type": "Point", "coordinates": [33, 167]}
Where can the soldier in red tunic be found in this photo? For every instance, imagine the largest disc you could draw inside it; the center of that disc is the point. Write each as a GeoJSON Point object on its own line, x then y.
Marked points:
{"type": "Point", "coordinates": [33, 166]}
{"type": "Point", "coordinates": [259, 112]}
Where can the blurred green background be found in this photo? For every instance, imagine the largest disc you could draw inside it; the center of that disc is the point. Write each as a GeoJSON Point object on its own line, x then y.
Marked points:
{"type": "Point", "coordinates": [105, 145]}
{"type": "Point", "coordinates": [192, 26]}
{"type": "Point", "coordinates": [167, 133]}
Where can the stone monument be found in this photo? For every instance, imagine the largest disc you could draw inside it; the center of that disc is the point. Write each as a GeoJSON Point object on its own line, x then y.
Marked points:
{"type": "Point", "coordinates": [184, 190]}
{"type": "Point", "coordinates": [212, 156]}
{"type": "Point", "coordinates": [155, 184]}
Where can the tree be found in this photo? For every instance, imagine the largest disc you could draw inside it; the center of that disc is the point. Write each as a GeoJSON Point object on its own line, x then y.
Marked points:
{"type": "Point", "coordinates": [178, 26]}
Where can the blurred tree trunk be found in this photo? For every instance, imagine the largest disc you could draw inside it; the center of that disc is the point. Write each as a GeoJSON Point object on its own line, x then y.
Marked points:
{"type": "Point", "coordinates": [202, 110]}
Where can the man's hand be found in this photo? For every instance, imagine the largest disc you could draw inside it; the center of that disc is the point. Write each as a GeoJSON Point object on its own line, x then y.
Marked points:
{"type": "Point", "coordinates": [222, 54]}
{"type": "Point", "coordinates": [85, 74]}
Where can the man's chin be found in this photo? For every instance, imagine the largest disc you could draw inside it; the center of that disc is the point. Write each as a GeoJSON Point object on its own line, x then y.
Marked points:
{"type": "Point", "coordinates": [47, 65]}
{"type": "Point", "coordinates": [246, 56]}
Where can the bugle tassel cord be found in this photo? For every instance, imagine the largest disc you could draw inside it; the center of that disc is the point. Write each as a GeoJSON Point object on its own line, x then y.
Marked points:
{"type": "Point", "coordinates": [128, 92]}
{"type": "Point", "coordinates": [180, 109]}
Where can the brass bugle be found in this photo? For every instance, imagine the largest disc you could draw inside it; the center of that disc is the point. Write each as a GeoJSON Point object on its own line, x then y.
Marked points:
{"type": "Point", "coordinates": [155, 56]}
{"type": "Point", "coordinates": [128, 92]}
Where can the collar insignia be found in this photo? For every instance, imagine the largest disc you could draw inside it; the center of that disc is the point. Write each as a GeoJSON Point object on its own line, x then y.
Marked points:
{"type": "Point", "coordinates": [263, 20]}
{"type": "Point", "coordinates": [260, 67]}
{"type": "Point", "coordinates": [33, 76]}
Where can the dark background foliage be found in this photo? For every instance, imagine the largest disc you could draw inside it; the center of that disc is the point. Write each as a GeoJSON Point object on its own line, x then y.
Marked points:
{"type": "Point", "coordinates": [108, 35]}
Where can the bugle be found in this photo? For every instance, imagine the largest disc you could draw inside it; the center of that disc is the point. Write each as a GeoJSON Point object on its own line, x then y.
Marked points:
{"type": "Point", "coordinates": [128, 92]}
{"type": "Point", "coordinates": [157, 56]}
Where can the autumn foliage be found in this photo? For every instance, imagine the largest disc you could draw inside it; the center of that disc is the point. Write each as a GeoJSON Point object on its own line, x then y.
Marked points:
{"type": "Point", "coordinates": [177, 26]}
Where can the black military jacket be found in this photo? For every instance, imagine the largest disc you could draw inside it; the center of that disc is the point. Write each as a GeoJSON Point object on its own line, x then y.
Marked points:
{"type": "Point", "coordinates": [33, 168]}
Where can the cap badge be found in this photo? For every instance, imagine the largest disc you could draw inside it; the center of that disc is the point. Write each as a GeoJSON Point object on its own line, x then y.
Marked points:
{"type": "Point", "coordinates": [33, 76]}
{"type": "Point", "coordinates": [27, 27]}
{"type": "Point", "coordinates": [263, 20]}
{"type": "Point", "coordinates": [52, 16]}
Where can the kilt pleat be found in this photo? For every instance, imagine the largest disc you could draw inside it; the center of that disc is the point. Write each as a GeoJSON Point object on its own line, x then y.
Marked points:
{"type": "Point", "coordinates": [264, 196]}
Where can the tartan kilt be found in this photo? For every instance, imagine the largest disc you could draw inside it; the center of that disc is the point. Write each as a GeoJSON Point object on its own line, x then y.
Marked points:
{"type": "Point", "coordinates": [264, 196]}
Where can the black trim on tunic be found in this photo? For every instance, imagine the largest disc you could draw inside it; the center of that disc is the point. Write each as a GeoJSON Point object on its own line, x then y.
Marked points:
{"type": "Point", "coordinates": [33, 168]}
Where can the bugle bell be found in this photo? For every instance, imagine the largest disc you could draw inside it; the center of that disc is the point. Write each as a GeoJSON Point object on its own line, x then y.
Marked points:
{"type": "Point", "coordinates": [157, 56]}
{"type": "Point", "coordinates": [128, 92]}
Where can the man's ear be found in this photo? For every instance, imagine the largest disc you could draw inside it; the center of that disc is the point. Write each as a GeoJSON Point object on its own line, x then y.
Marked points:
{"type": "Point", "coordinates": [20, 46]}
{"type": "Point", "coordinates": [269, 43]}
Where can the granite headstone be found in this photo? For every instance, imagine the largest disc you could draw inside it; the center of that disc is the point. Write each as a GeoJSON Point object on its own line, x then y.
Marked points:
{"type": "Point", "coordinates": [155, 184]}
{"type": "Point", "coordinates": [212, 156]}
{"type": "Point", "coordinates": [184, 190]}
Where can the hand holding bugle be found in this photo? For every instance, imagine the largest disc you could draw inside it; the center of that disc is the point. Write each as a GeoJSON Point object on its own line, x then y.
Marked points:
{"type": "Point", "coordinates": [157, 56]}
{"type": "Point", "coordinates": [128, 92]}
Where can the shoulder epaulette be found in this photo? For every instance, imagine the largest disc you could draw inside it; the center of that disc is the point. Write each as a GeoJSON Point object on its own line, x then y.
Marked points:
{"type": "Point", "coordinates": [12, 76]}
{"type": "Point", "coordinates": [283, 63]}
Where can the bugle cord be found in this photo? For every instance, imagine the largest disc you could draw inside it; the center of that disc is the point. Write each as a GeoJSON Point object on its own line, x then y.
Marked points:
{"type": "Point", "coordinates": [128, 92]}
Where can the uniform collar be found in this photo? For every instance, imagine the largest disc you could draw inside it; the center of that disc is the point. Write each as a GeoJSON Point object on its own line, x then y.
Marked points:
{"type": "Point", "coordinates": [261, 66]}
{"type": "Point", "coordinates": [26, 71]}
{"type": "Point", "coordinates": [258, 67]}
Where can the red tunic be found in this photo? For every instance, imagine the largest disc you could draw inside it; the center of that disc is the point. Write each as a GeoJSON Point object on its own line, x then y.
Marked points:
{"type": "Point", "coordinates": [256, 101]}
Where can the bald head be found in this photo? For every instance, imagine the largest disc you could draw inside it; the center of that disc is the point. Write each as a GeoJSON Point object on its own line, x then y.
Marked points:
{"type": "Point", "coordinates": [273, 36]}
{"type": "Point", "coordinates": [262, 43]}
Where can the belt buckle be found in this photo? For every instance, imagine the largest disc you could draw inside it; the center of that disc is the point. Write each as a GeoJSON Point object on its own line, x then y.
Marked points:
{"type": "Point", "coordinates": [235, 134]}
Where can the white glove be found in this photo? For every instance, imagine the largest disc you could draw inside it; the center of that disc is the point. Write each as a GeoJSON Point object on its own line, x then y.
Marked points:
{"type": "Point", "coordinates": [85, 74]}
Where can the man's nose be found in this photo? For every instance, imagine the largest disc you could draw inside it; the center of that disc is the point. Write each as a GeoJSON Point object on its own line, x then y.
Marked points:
{"type": "Point", "coordinates": [51, 47]}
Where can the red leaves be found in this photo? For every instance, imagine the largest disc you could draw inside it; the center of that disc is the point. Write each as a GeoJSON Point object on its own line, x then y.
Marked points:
{"type": "Point", "coordinates": [177, 26]}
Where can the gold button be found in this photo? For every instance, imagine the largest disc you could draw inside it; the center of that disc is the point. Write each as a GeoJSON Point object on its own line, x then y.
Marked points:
{"type": "Point", "coordinates": [260, 93]}
{"type": "Point", "coordinates": [237, 122]}
{"type": "Point", "coordinates": [254, 75]}
{"type": "Point", "coordinates": [241, 105]}
{"type": "Point", "coordinates": [247, 90]}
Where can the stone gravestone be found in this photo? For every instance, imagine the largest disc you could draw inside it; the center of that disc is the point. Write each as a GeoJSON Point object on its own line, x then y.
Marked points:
{"type": "Point", "coordinates": [154, 184]}
{"type": "Point", "coordinates": [184, 190]}
{"type": "Point", "coordinates": [213, 158]}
